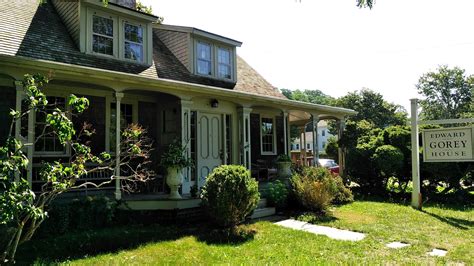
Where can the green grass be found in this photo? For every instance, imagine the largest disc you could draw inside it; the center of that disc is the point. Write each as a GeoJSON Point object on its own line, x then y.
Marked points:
{"type": "Point", "coordinates": [440, 227]}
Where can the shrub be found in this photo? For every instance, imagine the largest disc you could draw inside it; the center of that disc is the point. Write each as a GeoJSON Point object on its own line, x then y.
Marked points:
{"type": "Point", "coordinates": [277, 194]}
{"type": "Point", "coordinates": [230, 195]}
{"type": "Point", "coordinates": [343, 193]}
{"type": "Point", "coordinates": [84, 214]}
{"type": "Point", "coordinates": [315, 188]}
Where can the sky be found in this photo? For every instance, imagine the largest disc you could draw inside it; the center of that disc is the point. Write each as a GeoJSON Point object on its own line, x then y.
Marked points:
{"type": "Point", "coordinates": [332, 45]}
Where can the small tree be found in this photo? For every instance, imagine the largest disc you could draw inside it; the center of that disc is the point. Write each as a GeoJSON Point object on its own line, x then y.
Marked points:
{"type": "Point", "coordinates": [21, 209]}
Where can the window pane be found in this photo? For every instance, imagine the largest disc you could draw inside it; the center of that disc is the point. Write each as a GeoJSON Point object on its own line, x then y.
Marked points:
{"type": "Point", "coordinates": [223, 56]}
{"type": "Point", "coordinates": [103, 26]}
{"type": "Point", "coordinates": [267, 135]}
{"type": "Point", "coordinates": [204, 51]}
{"type": "Point", "coordinates": [133, 51]}
{"type": "Point", "coordinates": [224, 71]}
{"type": "Point", "coordinates": [103, 45]}
{"type": "Point", "coordinates": [133, 33]}
{"type": "Point", "coordinates": [204, 67]}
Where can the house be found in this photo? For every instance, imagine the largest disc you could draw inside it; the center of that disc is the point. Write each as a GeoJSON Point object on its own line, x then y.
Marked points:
{"type": "Point", "coordinates": [298, 143]}
{"type": "Point", "coordinates": [178, 82]}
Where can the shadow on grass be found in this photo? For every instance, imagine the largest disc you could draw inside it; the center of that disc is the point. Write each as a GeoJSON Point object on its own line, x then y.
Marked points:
{"type": "Point", "coordinates": [232, 236]}
{"type": "Point", "coordinates": [78, 245]}
{"type": "Point", "coordinates": [93, 242]}
{"type": "Point", "coordinates": [455, 222]}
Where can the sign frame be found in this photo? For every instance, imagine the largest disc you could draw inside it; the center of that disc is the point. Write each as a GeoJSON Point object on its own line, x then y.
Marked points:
{"type": "Point", "coordinates": [425, 146]}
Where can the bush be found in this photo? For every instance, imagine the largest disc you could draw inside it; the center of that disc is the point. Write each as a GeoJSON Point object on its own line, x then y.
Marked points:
{"type": "Point", "coordinates": [230, 195]}
{"type": "Point", "coordinates": [343, 193]}
{"type": "Point", "coordinates": [277, 194]}
{"type": "Point", "coordinates": [83, 214]}
{"type": "Point", "coordinates": [316, 188]}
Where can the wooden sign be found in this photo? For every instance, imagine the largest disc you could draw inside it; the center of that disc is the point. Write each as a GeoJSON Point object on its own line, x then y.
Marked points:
{"type": "Point", "coordinates": [448, 144]}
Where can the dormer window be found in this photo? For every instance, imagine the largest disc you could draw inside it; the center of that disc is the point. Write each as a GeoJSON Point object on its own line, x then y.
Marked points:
{"type": "Point", "coordinates": [119, 37]}
{"type": "Point", "coordinates": [133, 48]}
{"type": "Point", "coordinates": [204, 63]}
{"type": "Point", "coordinates": [214, 60]}
{"type": "Point", "coordinates": [102, 35]}
{"type": "Point", "coordinates": [224, 64]}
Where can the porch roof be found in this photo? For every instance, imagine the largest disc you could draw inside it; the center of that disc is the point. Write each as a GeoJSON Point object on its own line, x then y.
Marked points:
{"type": "Point", "coordinates": [299, 111]}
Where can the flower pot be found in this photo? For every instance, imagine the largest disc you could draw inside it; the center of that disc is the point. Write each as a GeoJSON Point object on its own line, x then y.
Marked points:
{"type": "Point", "coordinates": [174, 179]}
{"type": "Point", "coordinates": [284, 170]}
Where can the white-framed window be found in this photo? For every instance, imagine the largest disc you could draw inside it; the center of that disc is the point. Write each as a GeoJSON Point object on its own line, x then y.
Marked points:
{"type": "Point", "coordinates": [214, 60]}
{"type": "Point", "coordinates": [297, 146]}
{"type": "Point", "coordinates": [118, 37]}
{"type": "Point", "coordinates": [47, 143]}
{"type": "Point", "coordinates": [204, 58]}
{"type": "Point", "coordinates": [103, 34]}
{"type": "Point", "coordinates": [267, 136]}
{"type": "Point", "coordinates": [224, 64]}
{"type": "Point", "coordinates": [308, 146]}
{"type": "Point", "coordinates": [133, 41]}
{"type": "Point", "coordinates": [323, 133]}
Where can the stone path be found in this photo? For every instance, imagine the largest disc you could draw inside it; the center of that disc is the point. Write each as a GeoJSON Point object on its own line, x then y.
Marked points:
{"type": "Point", "coordinates": [340, 234]}
{"type": "Point", "coordinates": [330, 232]}
{"type": "Point", "coordinates": [397, 245]}
{"type": "Point", "coordinates": [438, 252]}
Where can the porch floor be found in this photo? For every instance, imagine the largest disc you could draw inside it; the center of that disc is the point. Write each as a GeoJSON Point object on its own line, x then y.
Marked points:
{"type": "Point", "coordinates": [158, 202]}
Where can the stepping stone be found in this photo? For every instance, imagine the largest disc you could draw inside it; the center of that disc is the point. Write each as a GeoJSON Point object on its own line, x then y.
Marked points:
{"type": "Point", "coordinates": [397, 245]}
{"type": "Point", "coordinates": [330, 232]}
{"type": "Point", "coordinates": [438, 252]}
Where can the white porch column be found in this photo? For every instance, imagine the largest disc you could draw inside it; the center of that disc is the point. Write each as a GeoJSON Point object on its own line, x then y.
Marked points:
{"type": "Point", "coordinates": [305, 152]}
{"type": "Point", "coordinates": [315, 120]}
{"type": "Point", "coordinates": [244, 129]}
{"type": "Point", "coordinates": [19, 98]}
{"type": "Point", "coordinates": [118, 192]}
{"type": "Point", "coordinates": [185, 141]}
{"type": "Point", "coordinates": [30, 138]}
{"type": "Point", "coordinates": [285, 134]}
{"type": "Point", "coordinates": [340, 151]}
{"type": "Point", "coordinates": [301, 146]}
{"type": "Point", "coordinates": [415, 157]}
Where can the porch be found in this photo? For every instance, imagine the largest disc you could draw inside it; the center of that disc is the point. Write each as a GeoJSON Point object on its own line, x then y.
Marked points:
{"type": "Point", "coordinates": [216, 127]}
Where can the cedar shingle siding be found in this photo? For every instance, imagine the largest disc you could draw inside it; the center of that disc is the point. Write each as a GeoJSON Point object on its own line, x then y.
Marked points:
{"type": "Point", "coordinates": [177, 43]}
{"type": "Point", "coordinates": [69, 13]}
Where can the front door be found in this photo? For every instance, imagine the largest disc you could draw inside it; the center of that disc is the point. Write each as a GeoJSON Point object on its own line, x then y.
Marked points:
{"type": "Point", "coordinates": [209, 145]}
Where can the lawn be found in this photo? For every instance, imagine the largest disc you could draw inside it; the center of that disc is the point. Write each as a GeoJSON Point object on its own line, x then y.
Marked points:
{"type": "Point", "coordinates": [436, 226]}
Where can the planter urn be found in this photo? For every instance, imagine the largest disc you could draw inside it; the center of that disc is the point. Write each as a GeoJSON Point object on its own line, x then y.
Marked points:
{"type": "Point", "coordinates": [174, 179]}
{"type": "Point", "coordinates": [284, 170]}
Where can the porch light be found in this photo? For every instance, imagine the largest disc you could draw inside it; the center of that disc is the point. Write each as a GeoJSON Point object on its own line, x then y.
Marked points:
{"type": "Point", "coordinates": [214, 103]}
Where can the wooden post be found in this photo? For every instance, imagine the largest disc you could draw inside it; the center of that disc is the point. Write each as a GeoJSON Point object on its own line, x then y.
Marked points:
{"type": "Point", "coordinates": [118, 191]}
{"type": "Point", "coordinates": [244, 128]}
{"type": "Point", "coordinates": [340, 151]}
{"type": "Point", "coordinates": [285, 133]}
{"type": "Point", "coordinates": [185, 140]}
{"type": "Point", "coordinates": [315, 120]}
{"type": "Point", "coordinates": [415, 157]}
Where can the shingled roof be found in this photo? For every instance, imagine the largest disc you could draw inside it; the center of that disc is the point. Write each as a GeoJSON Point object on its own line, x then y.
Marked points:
{"type": "Point", "coordinates": [36, 31]}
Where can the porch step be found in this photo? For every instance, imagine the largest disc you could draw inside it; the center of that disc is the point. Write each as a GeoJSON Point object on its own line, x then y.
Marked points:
{"type": "Point", "coordinates": [262, 203]}
{"type": "Point", "coordinates": [263, 212]}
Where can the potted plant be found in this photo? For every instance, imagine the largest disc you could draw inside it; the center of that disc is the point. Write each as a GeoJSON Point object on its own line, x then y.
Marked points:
{"type": "Point", "coordinates": [283, 163]}
{"type": "Point", "coordinates": [174, 160]}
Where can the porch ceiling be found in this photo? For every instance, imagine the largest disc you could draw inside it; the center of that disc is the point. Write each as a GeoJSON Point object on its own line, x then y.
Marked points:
{"type": "Point", "coordinates": [299, 111]}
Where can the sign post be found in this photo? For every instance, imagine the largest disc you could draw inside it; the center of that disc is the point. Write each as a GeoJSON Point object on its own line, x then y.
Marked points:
{"type": "Point", "coordinates": [415, 156]}
{"type": "Point", "coordinates": [454, 144]}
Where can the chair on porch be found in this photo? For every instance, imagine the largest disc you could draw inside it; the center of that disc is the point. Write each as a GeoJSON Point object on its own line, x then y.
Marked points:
{"type": "Point", "coordinates": [262, 171]}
